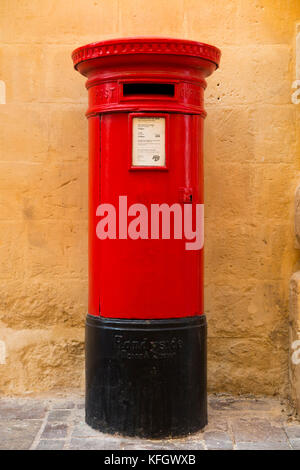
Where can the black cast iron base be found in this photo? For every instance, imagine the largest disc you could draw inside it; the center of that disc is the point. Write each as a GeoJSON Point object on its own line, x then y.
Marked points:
{"type": "Point", "coordinates": [146, 378]}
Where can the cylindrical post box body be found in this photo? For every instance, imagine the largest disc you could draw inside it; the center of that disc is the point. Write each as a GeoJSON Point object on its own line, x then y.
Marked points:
{"type": "Point", "coordinates": [146, 329]}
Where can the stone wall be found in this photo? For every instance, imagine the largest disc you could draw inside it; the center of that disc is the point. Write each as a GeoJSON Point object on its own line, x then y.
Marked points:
{"type": "Point", "coordinates": [251, 165]}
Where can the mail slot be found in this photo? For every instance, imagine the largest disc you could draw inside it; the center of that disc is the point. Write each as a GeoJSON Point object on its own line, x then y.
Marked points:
{"type": "Point", "coordinates": [139, 88]}
{"type": "Point", "coordinates": [146, 328]}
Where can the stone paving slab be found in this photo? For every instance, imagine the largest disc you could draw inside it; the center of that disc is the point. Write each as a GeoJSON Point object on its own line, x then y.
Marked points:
{"type": "Point", "coordinates": [261, 445]}
{"type": "Point", "coordinates": [295, 443]}
{"type": "Point", "coordinates": [21, 409]}
{"type": "Point", "coordinates": [216, 440]}
{"type": "Point", "coordinates": [235, 423]}
{"type": "Point", "coordinates": [50, 444]}
{"type": "Point", "coordinates": [55, 431]}
{"type": "Point", "coordinates": [257, 430]}
{"type": "Point", "coordinates": [18, 433]}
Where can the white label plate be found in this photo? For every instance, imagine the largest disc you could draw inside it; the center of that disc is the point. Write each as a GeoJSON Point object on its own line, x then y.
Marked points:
{"type": "Point", "coordinates": [148, 141]}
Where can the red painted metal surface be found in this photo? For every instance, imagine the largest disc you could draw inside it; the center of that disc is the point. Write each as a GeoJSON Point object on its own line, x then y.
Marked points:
{"type": "Point", "coordinates": [145, 278]}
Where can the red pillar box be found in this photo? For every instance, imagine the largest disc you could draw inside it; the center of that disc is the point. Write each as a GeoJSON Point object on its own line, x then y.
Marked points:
{"type": "Point", "coordinates": [146, 329]}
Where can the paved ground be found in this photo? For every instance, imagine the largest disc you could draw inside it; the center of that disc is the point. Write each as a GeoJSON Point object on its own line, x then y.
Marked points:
{"type": "Point", "coordinates": [234, 423]}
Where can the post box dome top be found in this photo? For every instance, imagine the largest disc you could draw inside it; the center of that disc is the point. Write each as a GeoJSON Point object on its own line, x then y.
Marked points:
{"type": "Point", "coordinates": [146, 45]}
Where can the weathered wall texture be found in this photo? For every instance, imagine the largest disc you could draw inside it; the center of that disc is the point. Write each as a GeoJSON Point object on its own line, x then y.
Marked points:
{"type": "Point", "coordinates": [252, 170]}
{"type": "Point", "coordinates": [294, 338]}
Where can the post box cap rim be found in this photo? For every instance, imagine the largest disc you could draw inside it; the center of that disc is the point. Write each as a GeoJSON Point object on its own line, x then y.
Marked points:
{"type": "Point", "coordinates": [146, 45]}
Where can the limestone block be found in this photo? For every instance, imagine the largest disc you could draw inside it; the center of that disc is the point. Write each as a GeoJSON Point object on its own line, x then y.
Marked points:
{"type": "Point", "coordinates": [30, 124]}
{"type": "Point", "coordinates": [42, 360]}
{"type": "Point", "coordinates": [57, 22]}
{"type": "Point", "coordinates": [263, 20]}
{"type": "Point", "coordinates": [229, 191]}
{"type": "Point", "coordinates": [57, 250]}
{"type": "Point", "coordinates": [267, 65]}
{"type": "Point", "coordinates": [243, 353]}
{"type": "Point", "coordinates": [135, 12]}
{"type": "Point", "coordinates": [39, 303]}
{"type": "Point", "coordinates": [229, 135]}
{"type": "Point", "coordinates": [297, 218]}
{"type": "Point", "coordinates": [56, 191]}
{"type": "Point", "coordinates": [59, 64]}
{"type": "Point", "coordinates": [294, 339]}
{"type": "Point", "coordinates": [246, 308]}
{"type": "Point", "coordinates": [198, 22]}
{"type": "Point", "coordinates": [274, 185]}
{"type": "Point", "coordinates": [275, 133]}
{"type": "Point", "coordinates": [24, 69]}
{"type": "Point", "coordinates": [68, 133]}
